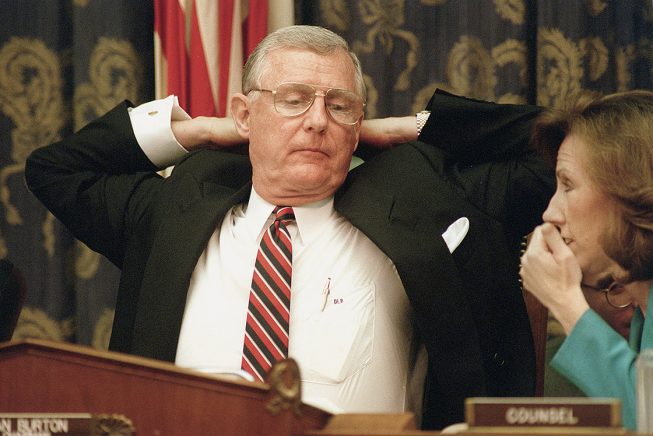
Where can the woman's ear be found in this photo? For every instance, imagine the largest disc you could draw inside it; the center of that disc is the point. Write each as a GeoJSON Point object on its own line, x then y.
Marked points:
{"type": "Point", "coordinates": [240, 114]}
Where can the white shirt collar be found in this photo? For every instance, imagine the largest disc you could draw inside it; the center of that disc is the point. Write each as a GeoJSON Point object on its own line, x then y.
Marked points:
{"type": "Point", "coordinates": [310, 217]}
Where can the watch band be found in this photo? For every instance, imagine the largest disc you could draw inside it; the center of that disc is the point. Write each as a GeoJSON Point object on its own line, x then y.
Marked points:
{"type": "Point", "coordinates": [421, 118]}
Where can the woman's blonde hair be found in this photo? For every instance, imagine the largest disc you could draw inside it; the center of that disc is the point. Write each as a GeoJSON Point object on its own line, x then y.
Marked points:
{"type": "Point", "coordinates": [617, 131]}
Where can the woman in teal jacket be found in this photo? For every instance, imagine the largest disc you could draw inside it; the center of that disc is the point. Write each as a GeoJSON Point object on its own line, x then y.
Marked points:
{"type": "Point", "coordinates": [597, 233]}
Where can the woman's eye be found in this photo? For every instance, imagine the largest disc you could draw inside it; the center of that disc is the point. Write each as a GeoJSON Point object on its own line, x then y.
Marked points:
{"type": "Point", "coordinates": [564, 185]}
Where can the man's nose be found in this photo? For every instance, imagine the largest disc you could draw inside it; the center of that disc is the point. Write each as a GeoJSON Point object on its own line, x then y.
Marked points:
{"type": "Point", "coordinates": [317, 115]}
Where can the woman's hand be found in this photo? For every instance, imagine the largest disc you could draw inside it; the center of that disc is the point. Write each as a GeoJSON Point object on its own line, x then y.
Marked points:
{"type": "Point", "coordinates": [550, 271]}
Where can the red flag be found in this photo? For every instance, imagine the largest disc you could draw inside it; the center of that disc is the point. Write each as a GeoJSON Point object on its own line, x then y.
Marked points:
{"type": "Point", "coordinates": [201, 46]}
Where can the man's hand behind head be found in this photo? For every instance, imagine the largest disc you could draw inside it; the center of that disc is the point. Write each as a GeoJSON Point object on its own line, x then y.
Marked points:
{"type": "Point", "coordinates": [207, 132]}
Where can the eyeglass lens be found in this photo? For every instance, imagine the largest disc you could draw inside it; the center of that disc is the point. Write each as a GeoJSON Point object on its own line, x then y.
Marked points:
{"type": "Point", "coordinates": [291, 99]}
{"type": "Point", "coordinates": [617, 296]}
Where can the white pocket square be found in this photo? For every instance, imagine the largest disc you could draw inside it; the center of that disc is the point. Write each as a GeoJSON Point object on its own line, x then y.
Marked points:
{"type": "Point", "coordinates": [455, 233]}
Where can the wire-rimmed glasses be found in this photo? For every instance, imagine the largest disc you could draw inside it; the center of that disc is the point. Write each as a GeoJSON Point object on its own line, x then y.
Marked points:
{"type": "Point", "coordinates": [615, 294]}
{"type": "Point", "coordinates": [292, 99]}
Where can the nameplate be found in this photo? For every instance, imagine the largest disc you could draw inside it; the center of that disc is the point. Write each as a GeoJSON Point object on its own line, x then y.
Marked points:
{"type": "Point", "coordinates": [71, 424]}
{"type": "Point", "coordinates": [543, 412]}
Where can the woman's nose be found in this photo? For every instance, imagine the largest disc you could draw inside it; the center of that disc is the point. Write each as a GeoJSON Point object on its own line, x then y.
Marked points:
{"type": "Point", "coordinates": [553, 213]}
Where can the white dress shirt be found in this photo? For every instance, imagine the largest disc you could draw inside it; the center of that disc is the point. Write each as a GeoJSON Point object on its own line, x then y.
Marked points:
{"type": "Point", "coordinates": [351, 330]}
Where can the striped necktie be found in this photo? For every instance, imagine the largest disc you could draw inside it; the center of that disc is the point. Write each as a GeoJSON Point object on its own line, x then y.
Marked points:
{"type": "Point", "coordinates": [268, 313]}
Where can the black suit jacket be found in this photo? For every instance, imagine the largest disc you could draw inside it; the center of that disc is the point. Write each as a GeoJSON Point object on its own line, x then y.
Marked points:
{"type": "Point", "coordinates": [474, 163]}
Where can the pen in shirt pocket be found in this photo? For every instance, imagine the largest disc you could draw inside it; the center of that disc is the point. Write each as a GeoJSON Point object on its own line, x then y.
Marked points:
{"type": "Point", "coordinates": [325, 293]}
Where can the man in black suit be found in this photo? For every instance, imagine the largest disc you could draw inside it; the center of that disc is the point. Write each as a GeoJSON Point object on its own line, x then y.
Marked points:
{"type": "Point", "coordinates": [423, 235]}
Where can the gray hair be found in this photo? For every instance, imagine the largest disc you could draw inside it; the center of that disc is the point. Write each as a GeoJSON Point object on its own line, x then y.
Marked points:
{"type": "Point", "coordinates": [314, 38]}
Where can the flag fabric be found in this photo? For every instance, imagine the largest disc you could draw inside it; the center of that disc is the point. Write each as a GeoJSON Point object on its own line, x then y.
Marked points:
{"type": "Point", "coordinates": [200, 49]}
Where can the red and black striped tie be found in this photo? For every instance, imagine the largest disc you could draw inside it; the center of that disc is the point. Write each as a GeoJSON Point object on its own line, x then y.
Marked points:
{"type": "Point", "coordinates": [268, 314]}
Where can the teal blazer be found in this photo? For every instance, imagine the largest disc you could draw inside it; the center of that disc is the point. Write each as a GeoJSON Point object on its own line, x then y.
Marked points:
{"type": "Point", "coordinates": [601, 362]}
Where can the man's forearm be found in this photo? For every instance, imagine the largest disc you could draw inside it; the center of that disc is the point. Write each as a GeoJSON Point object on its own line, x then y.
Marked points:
{"type": "Point", "coordinates": [206, 132]}
{"type": "Point", "coordinates": [386, 132]}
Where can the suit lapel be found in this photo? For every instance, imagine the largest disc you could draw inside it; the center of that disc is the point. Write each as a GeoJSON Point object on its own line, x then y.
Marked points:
{"type": "Point", "coordinates": [180, 241]}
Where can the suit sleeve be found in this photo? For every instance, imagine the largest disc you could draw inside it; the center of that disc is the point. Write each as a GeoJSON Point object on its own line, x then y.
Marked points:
{"type": "Point", "coordinates": [489, 157]}
{"type": "Point", "coordinates": [465, 127]}
{"type": "Point", "coordinates": [600, 362]}
{"type": "Point", "coordinates": [97, 182]}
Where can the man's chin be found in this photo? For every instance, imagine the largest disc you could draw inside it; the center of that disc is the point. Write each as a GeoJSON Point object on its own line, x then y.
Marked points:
{"type": "Point", "coordinates": [317, 191]}
{"type": "Point", "coordinates": [302, 191]}
{"type": "Point", "coordinates": [310, 180]}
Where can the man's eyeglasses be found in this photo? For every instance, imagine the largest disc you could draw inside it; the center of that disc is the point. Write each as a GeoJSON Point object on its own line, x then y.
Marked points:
{"type": "Point", "coordinates": [615, 294]}
{"type": "Point", "coordinates": [293, 99]}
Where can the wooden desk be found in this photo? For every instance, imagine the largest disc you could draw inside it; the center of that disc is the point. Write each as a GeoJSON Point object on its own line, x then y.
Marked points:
{"type": "Point", "coordinates": [162, 399]}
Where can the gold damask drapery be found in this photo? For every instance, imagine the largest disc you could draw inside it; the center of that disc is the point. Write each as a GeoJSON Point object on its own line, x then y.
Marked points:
{"type": "Point", "coordinates": [62, 63]}
{"type": "Point", "coordinates": [535, 51]}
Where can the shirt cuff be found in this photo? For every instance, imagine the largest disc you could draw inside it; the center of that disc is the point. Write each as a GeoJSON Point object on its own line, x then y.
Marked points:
{"type": "Point", "coordinates": [152, 128]}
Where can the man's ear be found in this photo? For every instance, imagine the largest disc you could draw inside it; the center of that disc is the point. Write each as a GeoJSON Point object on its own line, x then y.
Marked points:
{"type": "Point", "coordinates": [240, 114]}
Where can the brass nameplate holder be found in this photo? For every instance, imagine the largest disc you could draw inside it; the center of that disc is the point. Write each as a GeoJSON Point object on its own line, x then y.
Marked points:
{"type": "Point", "coordinates": [285, 387]}
{"type": "Point", "coordinates": [72, 424]}
{"type": "Point", "coordinates": [545, 414]}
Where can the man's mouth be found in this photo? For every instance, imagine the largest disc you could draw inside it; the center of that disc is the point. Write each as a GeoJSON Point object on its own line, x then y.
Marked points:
{"type": "Point", "coordinates": [313, 150]}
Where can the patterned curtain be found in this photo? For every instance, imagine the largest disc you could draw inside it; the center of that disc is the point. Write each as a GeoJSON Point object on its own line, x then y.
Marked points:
{"type": "Point", "coordinates": [499, 50]}
{"type": "Point", "coordinates": [63, 63]}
